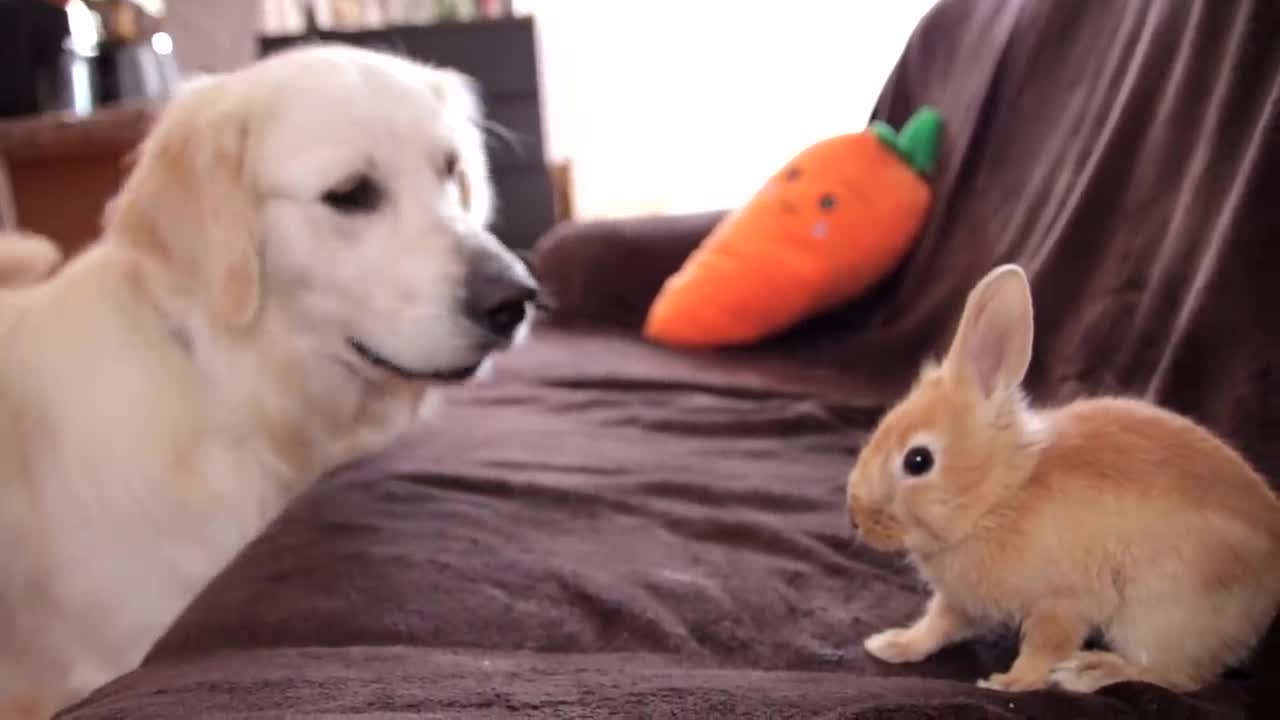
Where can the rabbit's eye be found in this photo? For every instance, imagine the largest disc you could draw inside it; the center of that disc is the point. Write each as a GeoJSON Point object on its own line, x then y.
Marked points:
{"type": "Point", "coordinates": [917, 461]}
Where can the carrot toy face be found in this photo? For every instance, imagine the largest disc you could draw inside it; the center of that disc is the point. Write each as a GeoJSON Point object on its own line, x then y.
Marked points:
{"type": "Point", "coordinates": [823, 230]}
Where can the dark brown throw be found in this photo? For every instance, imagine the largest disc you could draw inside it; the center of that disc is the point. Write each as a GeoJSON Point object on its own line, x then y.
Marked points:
{"type": "Point", "coordinates": [611, 529]}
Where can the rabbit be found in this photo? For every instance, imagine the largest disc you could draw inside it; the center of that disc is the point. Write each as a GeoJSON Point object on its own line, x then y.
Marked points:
{"type": "Point", "coordinates": [1107, 514]}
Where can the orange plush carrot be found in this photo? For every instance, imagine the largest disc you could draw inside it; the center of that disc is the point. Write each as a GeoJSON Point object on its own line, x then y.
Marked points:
{"type": "Point", "coordinates": [823, 230]}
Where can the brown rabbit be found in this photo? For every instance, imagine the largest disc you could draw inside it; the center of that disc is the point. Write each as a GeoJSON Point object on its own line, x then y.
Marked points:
{"type": "Point", "coordinates": [1109, 514]}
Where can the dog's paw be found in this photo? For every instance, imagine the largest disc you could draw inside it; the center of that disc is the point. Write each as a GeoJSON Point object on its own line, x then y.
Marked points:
{"type": "Point", "coordinates": [895, 646]}
{"type": "Point", "coordinates": [1012, 682]}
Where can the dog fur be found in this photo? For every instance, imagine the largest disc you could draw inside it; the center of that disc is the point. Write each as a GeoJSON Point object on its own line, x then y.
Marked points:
{"type": "Point", "coordinates": [166, 392]}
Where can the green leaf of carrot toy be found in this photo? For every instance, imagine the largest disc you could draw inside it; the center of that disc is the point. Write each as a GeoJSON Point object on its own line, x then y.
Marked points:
{"type": "Point", "coordinates": [919, 139]}
{"type": "Point", "coordinates": [887, 135]}
{"type": "Point", "coordinates": [917, 144]}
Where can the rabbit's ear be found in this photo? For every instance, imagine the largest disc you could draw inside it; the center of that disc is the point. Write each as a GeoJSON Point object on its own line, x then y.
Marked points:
{"type": "Point", "coordinates": [992, 346]}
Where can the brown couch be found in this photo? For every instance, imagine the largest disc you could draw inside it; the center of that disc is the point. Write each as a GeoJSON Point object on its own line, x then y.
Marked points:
{"type": "Point", "coordinates": [612, 529]}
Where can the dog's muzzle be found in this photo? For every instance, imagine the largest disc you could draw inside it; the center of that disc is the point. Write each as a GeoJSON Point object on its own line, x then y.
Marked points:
{"type": "Point", "coordinates": [499, 290]}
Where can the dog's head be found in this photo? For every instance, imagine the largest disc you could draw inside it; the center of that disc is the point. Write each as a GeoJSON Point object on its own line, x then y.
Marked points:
{"type": "Point", "coordinates": [337, 196]}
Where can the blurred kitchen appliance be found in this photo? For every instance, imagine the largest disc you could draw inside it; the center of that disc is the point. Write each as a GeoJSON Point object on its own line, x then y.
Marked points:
{"type": "Point", "coordinates": [78, 55]}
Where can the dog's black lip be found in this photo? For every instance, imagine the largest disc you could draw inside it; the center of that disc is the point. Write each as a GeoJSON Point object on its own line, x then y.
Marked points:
{"type": "Point", "coordinates": [379, 361]}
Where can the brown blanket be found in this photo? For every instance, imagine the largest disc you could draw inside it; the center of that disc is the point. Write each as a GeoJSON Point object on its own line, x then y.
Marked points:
{"type": "Point", "coordinates": [612, 529]}
{"type": "Point", "coordinates": [603, 529]}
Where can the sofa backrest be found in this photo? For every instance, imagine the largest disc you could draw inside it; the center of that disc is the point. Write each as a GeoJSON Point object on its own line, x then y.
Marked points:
{"type": "Point", "coordinates": [1126, 154]}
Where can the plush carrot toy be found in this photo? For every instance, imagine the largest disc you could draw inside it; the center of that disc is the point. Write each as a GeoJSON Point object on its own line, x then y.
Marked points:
{"type": "Point", "coordinates": [823, 230]}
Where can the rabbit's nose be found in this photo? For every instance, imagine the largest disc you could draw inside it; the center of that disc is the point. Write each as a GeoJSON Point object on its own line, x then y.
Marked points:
{"type": "Point", "coordinates": [853, 514]}
{"type": "Point", "coordinates": [859, 511]}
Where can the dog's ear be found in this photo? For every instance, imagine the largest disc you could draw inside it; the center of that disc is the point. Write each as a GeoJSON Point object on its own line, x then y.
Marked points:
{"type": "Point", "coordinates": [188, 204]}
{"type": "Point", "coordinates": [459, 95]}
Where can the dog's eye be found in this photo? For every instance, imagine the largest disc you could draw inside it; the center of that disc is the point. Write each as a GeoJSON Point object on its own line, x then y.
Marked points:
{"type": "Point", "coordinates": [359, 194]}
{"type": "Point", "coordinates": [917, 461]}
{"type": "Point", "coordinates": [450, 164]}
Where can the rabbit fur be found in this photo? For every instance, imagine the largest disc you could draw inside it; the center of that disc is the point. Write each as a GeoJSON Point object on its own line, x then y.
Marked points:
{"type": "Point", "coordinates": [1108, 514]}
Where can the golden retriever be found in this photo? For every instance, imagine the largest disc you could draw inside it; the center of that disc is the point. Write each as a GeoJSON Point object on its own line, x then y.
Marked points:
{"type": "Point", "coordinates": [298, 255]}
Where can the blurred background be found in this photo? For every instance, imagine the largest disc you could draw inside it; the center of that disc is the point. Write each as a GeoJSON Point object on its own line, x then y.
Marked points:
{"type": "Point", "coordinates": [614, 107]}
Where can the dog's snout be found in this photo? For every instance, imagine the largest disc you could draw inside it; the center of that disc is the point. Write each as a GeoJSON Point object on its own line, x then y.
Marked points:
{"type": "Point", "coordinates": [498, 293]}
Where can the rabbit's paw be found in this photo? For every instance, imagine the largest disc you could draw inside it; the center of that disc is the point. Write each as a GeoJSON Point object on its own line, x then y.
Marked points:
{"type": "Point", "coordinates": [1085, 672]}
{"type": "Point", "coordinates": [1012, 682]}
{"type": "Point", "coordinates": [896, 646]}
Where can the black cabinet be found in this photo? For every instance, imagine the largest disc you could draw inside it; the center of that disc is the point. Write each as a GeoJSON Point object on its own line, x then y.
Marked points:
{"type": "Point", "coordinates": [501, 55]}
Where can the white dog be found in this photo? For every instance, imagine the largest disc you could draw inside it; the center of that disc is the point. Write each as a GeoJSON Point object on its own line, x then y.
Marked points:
{"type": "Point", "coordinates": [298, 254]}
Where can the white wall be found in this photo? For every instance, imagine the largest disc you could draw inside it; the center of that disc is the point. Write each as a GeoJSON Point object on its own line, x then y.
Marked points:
{"type": "Point", "coordinates": [213, 35]}
{"type": "Point", "coordinates": [664, 105]}
{"type": "Point", "coordinates": [679, 105]}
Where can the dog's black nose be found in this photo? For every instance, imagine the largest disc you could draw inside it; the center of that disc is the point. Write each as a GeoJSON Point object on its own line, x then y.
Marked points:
{"type": "Point", "coordinates": [499, 290]}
